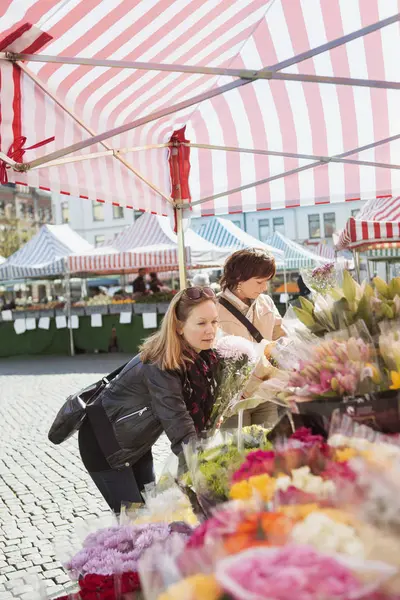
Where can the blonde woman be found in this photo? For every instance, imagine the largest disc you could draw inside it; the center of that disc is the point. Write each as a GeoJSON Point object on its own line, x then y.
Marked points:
{"type": "Point", "coordinates": [168, 387]}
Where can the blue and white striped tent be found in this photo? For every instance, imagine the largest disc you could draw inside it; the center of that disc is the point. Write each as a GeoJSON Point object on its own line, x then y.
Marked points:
{"type": "Point", "coordinates": [44, 254]}
{"type": "Point", "coordinates": [296, 256]}
{"type": "Point", "coordinates": [225, 234]}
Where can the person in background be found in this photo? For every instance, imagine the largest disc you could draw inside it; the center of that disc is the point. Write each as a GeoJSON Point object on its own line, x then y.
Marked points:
{"type": "Point", "coordinates": [170, 386]}
{"type": "Point", "coordinates": [155, 283]}
{"type": "Point", "coordinates": [243, 307]}
{"type": "Point", "coordinates": [139, 284]}
{"type": "Point", "coordinates": [245, 310]}
{"type": "Point", "coordinates": [201, 280]}
{"type": "Point", "coordinates": [304, 291]}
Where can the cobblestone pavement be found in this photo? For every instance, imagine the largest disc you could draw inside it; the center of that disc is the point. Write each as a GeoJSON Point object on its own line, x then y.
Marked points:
{"type": "Point", "coordinates": [44, 489]}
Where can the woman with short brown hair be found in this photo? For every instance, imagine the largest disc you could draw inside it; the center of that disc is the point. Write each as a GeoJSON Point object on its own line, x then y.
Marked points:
{"type": "Point", "coordinates": [243, 308]}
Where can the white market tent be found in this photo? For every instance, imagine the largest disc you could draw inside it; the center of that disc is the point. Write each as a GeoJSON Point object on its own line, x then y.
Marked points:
{"type": "Point", "coordinates": [2, 259]}
{"type": "Point", "coordinates": [225, 234]}
{"type": "Point", "coordinates": [284, 103]}
{"type": "Point", "coordinates": [44, 255]}
{"type": "Point", "coordinates": [150, 243]}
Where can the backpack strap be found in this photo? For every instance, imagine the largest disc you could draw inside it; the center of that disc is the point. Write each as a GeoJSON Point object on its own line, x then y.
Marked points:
{"type": "Point", "coordinates": [241, 317]}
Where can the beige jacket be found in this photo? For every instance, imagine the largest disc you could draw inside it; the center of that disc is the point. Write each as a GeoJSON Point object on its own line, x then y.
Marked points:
{"type": "Point", "coordinates": [262, 313]}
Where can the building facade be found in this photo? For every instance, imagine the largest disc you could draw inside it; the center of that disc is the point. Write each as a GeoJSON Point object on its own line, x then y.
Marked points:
{"type": "Point", "coordinates": [304, 224]}
{"type": "Point", "coordinates": [97, 222]}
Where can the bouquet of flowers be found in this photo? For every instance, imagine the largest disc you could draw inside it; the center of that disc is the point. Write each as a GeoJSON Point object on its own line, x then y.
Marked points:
{"type": "Point", "coordinates": [343, 306]}
{"type": "Point", "coordinates": [238, 361]}
{"type": "Point", "coordinates": [212, 461]}
{"type": "Point", "coordinates": [320, 279]}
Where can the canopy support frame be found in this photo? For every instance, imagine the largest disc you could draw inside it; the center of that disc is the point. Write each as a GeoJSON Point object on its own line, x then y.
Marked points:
{"type": "Point", "coordinates": [318, 163]}
{"type": "Point", "coordinates": [89, 130]}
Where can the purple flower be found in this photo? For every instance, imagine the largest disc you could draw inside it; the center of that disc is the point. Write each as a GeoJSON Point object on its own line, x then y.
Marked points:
{"type": "Point", "coordinates": [116, 549]}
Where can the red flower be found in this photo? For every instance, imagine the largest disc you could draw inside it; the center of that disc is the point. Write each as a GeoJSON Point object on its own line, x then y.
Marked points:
{"type": "Point", "coordinates": [195, 408]}
{"type": "Point", "coordinates": [103, 587]}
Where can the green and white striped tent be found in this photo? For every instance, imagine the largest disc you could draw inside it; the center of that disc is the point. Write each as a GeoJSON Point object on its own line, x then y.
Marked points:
{"type": "Point", "coordinates": [296, 256]}
{"type": "Point", "coordinates": [384, 254]}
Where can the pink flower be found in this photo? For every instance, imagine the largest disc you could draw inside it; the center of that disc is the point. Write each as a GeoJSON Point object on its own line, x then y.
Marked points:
{"type": "Point", "coordinates": [258, 462]}
{"type": "Point", "coordinates": [285, 573]}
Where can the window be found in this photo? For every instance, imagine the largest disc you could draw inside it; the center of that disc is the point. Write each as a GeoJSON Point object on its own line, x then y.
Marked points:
{"type": "Point", "coordinates": [237, 223]}
{"type": "Point", "coordinates": [65, 212]}
{"type": "Point", "coordinates": [329, 224]}
{"type": "Point", "coordinates": [279, 224]}
{"type": "Point", "coordinates": [263, 229]}
{"type": "Point", "coordinates": [99, 240]}
{"type": "Point", "coordinates": [137, 214]}
{"type": "Point", "coordinates": [314, 226]}
{"type": "Point", "coordinates": [118, 212]}
{"type": "Point", "coordinates": [355, 212]}
{"type": "Point", "coordinates": [98, 211]}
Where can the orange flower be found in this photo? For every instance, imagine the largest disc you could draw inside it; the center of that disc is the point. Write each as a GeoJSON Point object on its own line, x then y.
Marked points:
{"type": "Point", "coordinates": [259, 529]}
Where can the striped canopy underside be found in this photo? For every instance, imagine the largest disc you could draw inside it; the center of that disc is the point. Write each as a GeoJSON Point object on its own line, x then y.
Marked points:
{"type": "Point", "coordinates": [315, 120]}
{"type": "Point", "coordinates": [377, 226]}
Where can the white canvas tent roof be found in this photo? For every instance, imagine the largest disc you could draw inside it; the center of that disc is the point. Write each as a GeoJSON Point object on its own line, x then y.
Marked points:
{"type": "Point", "coordinates": [44, 255]}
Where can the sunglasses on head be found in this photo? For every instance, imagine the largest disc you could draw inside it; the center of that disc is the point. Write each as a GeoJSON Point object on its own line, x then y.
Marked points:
{"type": "Point", "coordinates": [195, 293]}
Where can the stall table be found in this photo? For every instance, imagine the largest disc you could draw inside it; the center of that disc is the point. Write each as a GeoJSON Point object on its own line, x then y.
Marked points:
{"type": "Point", "coordinates": [87, 339]}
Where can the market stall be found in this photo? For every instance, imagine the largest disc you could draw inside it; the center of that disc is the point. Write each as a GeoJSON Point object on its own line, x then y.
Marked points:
{"type": "Point", "coordinates": [55, 327]}
{"type": "Point", "coordinates": [225, 234]}
{"type": "Point", "coordinates": [374, 231]}
{"type": "Point", "coordinates": [148, 243]}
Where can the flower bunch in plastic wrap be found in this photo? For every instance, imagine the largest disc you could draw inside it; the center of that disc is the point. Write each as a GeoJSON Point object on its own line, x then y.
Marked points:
{"type": "Point", "coordinates": [335, 368]}
{"type": "Point", "coordinates": [117, 549]}
{"type": "Point", "coordinates": [321, 279]}
{"type": "Point", "coordinates": [343, 306]}
{"type": "Point", "coordinates": [267, 572]}
{"type": "Point", "coordinates": [238, 361]}
{"type": "Point", "coordinates": [211, 463]}
{"type": "Point", "coordinates": [302, 463]}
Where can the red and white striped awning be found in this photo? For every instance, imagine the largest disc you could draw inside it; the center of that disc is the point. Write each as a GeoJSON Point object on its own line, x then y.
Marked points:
{"type": "Point", "coordinates": [148, 243]}
{"type": "Point", "coordinates": [285, 102]}
{"type": "Point", "coordinates": [377, 225]}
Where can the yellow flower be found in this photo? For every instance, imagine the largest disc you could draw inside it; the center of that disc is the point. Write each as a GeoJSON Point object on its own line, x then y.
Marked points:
{"type": "Point", "coordinates": [241, 491]}
{"type": "Point", "coordinates": [345, 454]}
{"type": "Point", "coordinates": [298, 511]}
{"type": "Point", "coordinates": [375, 373]}
{"type": "Point", "coordinates": [395, 376]}
{"type": "Point", "coordinates": [262, 485]}
{"type": "Point", "coordinates": [196, 587]}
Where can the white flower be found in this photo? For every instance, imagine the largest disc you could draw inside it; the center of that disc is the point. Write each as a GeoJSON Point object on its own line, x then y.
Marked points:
{"type": "Point", "coordinates": [327, 535]}
{"type": "Point", "coordinates": [304, 480]}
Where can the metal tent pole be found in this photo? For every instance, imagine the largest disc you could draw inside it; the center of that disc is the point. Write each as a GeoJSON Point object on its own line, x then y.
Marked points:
{"type": "Point", "coordinates": [181, 250]}
{"type": "Point", "coordinates": [356, 257]}
{"type": "Point", "coordinates": [285, 282]}
{"type": "Point", "coordinates": [67, 282]}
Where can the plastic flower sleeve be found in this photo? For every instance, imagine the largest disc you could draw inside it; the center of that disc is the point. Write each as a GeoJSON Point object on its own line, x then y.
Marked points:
{"type": "Point", "coordinates": [212, 461]}
{"type": "Point", "coordinates": [247, 575]}
{"type": "Point", "coordinates": [171, 566]}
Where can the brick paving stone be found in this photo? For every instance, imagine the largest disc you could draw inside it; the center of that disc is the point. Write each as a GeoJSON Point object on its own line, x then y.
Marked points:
{"type": "Point", "coordinates": [44, 489]}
